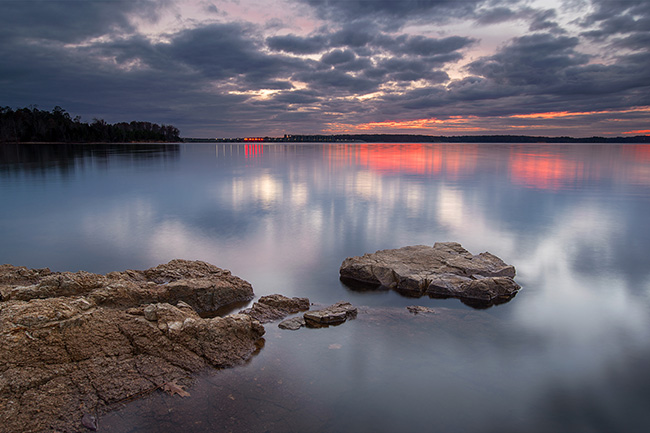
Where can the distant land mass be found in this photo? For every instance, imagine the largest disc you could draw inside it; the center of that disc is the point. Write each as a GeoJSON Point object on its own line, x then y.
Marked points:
{"type": "Point", "coordinates": [414, 138]}
{"type": "Point", "coordinates": [31, 125]}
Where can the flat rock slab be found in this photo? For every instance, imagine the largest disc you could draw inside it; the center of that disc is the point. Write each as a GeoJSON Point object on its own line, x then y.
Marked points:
{"type": "Point", "coordinates": [293, 323]}
{"type": "Point", "coordinates": [75, 344]}
{"type": "Point", "coordinates": [274, 307]}
{"type": "Point", "coordinates": [444, 270]}
{"type": "Point", "coordinates": [332, 315]}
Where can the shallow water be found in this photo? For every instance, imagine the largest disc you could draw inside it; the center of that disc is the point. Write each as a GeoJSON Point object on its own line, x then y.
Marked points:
{"type": "Point", "coordinates": [568, 353]}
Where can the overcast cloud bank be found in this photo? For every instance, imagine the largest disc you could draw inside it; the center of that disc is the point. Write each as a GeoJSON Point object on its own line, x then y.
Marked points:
{"type": "Point", "coordinates": [235, 68]}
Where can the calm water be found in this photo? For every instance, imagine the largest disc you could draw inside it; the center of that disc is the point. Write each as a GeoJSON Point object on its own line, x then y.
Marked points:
{"type": "Point", "coordinates": [569, 353]}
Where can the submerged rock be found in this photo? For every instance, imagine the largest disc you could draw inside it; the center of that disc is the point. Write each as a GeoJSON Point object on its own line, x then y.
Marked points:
{"type": "Point", "coordinates": [444, 270]}
{"type": "Point", "coordinates": [274, 307]}
{"type": "Point", "coordinates": [419, 309]}
{"type": "Point", "coordinates": [79, 343]}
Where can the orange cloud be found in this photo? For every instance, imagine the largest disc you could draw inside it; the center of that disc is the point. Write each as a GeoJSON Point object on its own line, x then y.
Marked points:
{"type": "Point", "coordinates": [560, 114]}
{"type": "Point", "coordinates": [468, 123]}
{"type": "Point", "coordinates": [455, 123]}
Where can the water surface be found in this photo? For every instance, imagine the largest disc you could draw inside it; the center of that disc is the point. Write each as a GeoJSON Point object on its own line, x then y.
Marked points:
{"type": "Point", "coordinates": [568, 353]}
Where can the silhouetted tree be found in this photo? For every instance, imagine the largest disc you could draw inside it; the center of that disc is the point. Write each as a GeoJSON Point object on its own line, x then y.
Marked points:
{"type": "Point", "coordinates": [34, 125]}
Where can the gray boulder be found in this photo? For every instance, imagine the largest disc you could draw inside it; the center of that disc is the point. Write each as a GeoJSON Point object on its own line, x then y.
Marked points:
{"type": "Point", "coordinates": [444, 270]}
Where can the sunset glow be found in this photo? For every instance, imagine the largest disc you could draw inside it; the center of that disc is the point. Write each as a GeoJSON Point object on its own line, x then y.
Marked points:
{"type": "Point", "coordinates": [561, 114]}
{"type": "Point", "coordinates": [473, 124]}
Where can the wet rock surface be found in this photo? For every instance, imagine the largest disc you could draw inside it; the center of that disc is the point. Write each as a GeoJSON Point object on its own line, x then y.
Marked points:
{"type": "Point", "coordinates": [296, 383]}
{"type": "Point", "coordinates": [73, 345]}
{"type": "Point", "coordinates": [332, 315]}
{"type": "Point", "coordinates": [444, 270]}
{"type": "Point", "coordinates": [275, 307]}
{"type": "Point", "coordinates": [293, 323]}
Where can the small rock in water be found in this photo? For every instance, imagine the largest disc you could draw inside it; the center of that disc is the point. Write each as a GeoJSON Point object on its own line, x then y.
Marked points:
{"type": "Point", "coordinates": [293, 323]}
{"type": "Point", "coordinates": [332, 315]}
{"type": "Point", "coordinates": [89, 421]}
{"type": "Point", "coordinates": [274, 307]}
{"type": "Point", "coordinates": [417, 309]}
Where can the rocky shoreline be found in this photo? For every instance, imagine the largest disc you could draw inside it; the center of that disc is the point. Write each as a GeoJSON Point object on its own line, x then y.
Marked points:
{"type": "Point", "coordinates": [74, 346]}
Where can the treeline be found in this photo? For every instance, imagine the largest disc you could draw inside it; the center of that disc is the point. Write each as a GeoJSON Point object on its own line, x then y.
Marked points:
{"type": "Point", "coordinates": [33, 125]}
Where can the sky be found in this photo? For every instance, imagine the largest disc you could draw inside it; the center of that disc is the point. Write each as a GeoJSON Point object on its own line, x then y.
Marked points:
{"type": "Point", "coordinates": [245, 68]}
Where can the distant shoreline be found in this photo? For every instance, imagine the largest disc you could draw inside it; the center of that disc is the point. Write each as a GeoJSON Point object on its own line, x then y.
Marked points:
{"type": "Point", "coordinates": [370, 138]}
{"type": "Point", "coordinates": [407, 138]}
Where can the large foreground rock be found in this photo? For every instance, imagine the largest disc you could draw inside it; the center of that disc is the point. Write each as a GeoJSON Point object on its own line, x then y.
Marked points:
{"type": "Point", "coordinates": [446, 269]}
{"type": "Point", "coordinates": [75, 344]}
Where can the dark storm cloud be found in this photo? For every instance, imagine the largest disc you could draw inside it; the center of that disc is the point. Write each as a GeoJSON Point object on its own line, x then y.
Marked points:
{"type": "Point", "coordinates": [223, 51]}
{"type": "Point", "coordinates": [538, 59]}
{"type": "Point", "coordinates": [538, 19]}
{"type": "Point", "coordinates": [71, 21]}
{"type": "Point", "coordinates": [338, 81]}
{"type": "Point", "coordinates": [424, 46]}
{"type": "Point", "coordinates": [636, 41]}
{"type": "Point", "coordinates": [496, 15]}
{"type": "Point", "coordinates": [207, 78]}
{"type": "Point", "coordinates": [617, 17]}
{"type": "Point", "coordinates": [399, 45]}
{"type": "Point", "coordinates": [354, 36]}
{"type": "Point", "coordinates": [396, 69]}
{"type": "Point", "coordinates": [537, 73]}
{"type": "Point", "coordinates": [296, 44]}
{"type": "Point", "coordinates": [301, 97]}
{"type": "Point", "coordinates": [393, 14]}
{"type": "Point", "coordinates": [336, 57]}
{"type": "Point", "coordinates": [544, 20]}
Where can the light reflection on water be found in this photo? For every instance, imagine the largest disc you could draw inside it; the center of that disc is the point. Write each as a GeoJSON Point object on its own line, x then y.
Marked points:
{"type": "Point", "coordinates": [568, 353]}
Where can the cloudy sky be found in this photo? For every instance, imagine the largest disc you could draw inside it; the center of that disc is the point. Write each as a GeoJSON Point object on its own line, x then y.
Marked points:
{"type": "Point", "coordinates": [234, 68]}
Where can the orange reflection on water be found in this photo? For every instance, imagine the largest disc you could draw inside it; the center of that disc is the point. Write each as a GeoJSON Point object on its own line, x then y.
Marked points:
{"type": "Point", "coordinates": [638, 152]}
{"type": "Point", "coordinates": [545, 170]}
{"type": "Point", "coordinates": [417, 158]}
{"type": "Point", "coordinates": [555, 168]}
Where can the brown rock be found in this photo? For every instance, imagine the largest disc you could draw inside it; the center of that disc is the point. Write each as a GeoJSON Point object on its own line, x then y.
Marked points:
{"type": "Point", "coordinates": [203, 286]}
{"type": "Point", "coordinates": [274, 307]}
{"type": "Point", "coordinates": [79, 343]}
{"type": "Point", "coordinates": [446, 269]}
{"type": "Point", "coordinates": [293, 323]}
{"type": "Point", "coordinates": [418, 309]}
{"type": "Point", "coordinates": [332, 315]}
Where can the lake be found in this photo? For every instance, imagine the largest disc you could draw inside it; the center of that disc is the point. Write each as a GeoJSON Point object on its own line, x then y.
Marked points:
{"type": "Point", "coordinates": [569, 353]}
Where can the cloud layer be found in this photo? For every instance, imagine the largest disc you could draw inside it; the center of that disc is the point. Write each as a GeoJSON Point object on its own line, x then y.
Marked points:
{"type": "Point", "coordinates": [224, 68]}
